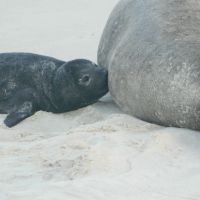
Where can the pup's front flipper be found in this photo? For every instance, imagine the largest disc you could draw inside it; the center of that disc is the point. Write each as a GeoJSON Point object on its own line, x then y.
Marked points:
{"type": "Point", "coordinates": [23, 111]}
{"type": "Point", "coordinates": [23, 104]}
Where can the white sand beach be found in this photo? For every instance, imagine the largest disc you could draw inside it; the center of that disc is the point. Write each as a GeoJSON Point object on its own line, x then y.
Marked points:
{"type": "Point", "coordinates": [97, 152]}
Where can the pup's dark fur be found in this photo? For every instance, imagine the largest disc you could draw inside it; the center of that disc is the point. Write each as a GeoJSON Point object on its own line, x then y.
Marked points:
{"type": "Point", "coordinates": [31, 82]}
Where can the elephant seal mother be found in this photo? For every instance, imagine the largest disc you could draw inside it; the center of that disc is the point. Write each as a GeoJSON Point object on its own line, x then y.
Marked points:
{"type": "Point", "coordinates": [152, 51]}
{"type": "Point", "coordinates": [31, 82]}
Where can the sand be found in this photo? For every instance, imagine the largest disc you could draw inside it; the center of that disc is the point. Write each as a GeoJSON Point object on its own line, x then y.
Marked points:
{"type": "Point", "coordinates": [97, 152]}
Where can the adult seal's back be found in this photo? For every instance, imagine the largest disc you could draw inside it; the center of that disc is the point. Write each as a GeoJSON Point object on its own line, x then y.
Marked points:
{"type": "Point", "coordinates": [31, 82]}
{"type": "Point", "coordinates": [152, 51]}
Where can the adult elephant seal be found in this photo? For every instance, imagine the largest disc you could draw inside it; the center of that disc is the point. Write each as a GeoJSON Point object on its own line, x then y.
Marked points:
{"type": "Point", "coordinates": [31, 82]}
{"type": "Point", "coordinates": [152, 51]}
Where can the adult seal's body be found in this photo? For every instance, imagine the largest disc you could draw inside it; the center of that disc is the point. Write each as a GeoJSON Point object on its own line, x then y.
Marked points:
{"type": "Point", "coordinates": [152, 51]}
{"type": "Point", "coordinates": [31, 82]}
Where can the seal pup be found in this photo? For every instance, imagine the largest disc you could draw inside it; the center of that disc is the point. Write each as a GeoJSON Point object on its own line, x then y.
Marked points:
{"type": "Point", "coordinates": [31, 82]}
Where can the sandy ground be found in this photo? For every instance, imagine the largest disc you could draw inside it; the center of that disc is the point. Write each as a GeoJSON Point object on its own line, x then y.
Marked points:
{"type": "Point", "coordinates": [95, 153]}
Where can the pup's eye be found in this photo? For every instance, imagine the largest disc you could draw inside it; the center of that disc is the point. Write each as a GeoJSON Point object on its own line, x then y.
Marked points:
{"type": "Point", "coordinates": [85, 78]}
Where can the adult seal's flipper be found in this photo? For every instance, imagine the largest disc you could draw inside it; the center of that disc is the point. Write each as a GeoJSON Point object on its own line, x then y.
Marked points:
{"type": "Point", "coordinates": [23, 111]}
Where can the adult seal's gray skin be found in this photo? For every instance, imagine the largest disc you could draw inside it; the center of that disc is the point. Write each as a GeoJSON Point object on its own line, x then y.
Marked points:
{"type": "Point", "coordinates": [152, 51]}
{"type": "Point", "coordinates": [31, 82]}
